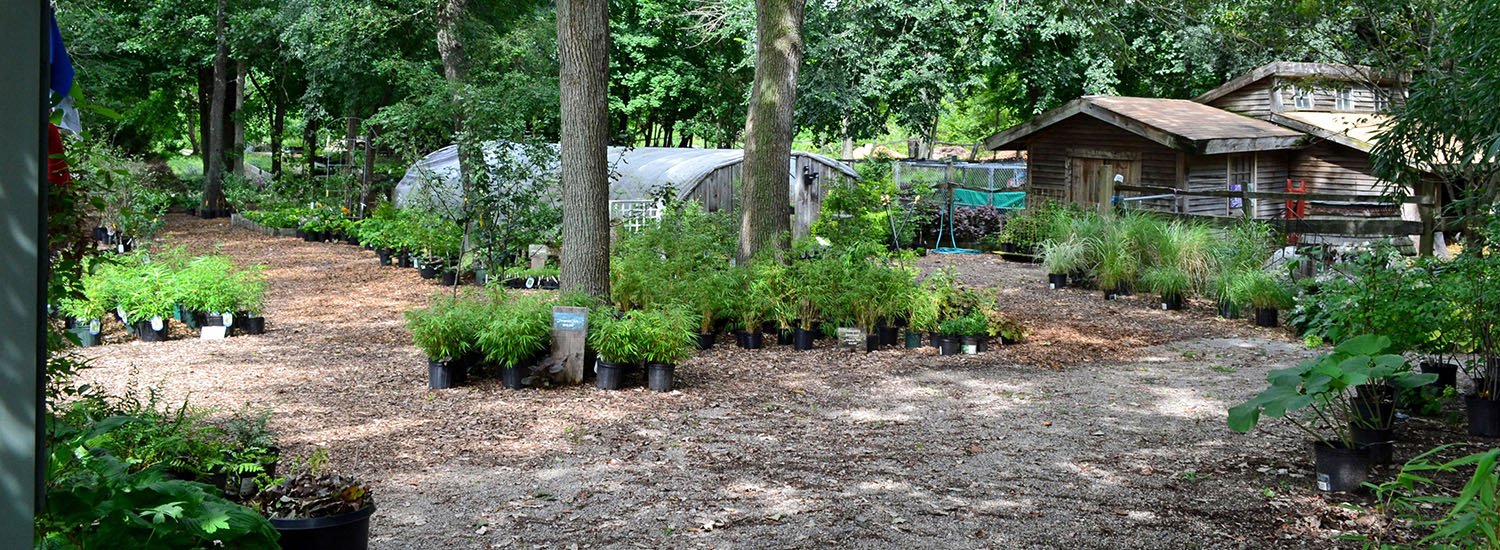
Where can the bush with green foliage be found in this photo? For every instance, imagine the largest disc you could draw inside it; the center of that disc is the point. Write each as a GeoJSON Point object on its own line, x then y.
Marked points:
{"type": "Point", "coordinates": [517, 331]}
{"type": "Point", "coordinates": [662, 336]}
{"type": "Point", "coordinates": [451, 326]}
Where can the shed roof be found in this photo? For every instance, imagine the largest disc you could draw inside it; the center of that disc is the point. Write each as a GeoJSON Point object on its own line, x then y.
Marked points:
{"type": "Point", "coordinates": [1289, 69]}
{"type": "Point", "coordinates": [1356, 130]}
{"type": "Point", "coordinates": [1177, 123]}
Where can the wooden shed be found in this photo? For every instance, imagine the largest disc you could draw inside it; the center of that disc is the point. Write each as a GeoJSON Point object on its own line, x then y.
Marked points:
{"type": "Point", "coordinates": [1284, 127]}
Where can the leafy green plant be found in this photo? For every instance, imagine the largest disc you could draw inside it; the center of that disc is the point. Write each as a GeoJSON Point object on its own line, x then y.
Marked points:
{"type": "Point", "coordinates": [1167, 281]}
{"type": "Point", "coordinates": [973, 324]}
{"type": "Point", "coordinates": [640, 336]}
{"type": "Point", "coordinates": [519, 330]}
{"type": "Point", "coordinates": [1003, 326]}
{"type": "Point", "coordinates": [1261, 289]}
{"type": "Point", "coordinates": [449, 328]}
{"type": "Point", "coordinates": [1468, 517]}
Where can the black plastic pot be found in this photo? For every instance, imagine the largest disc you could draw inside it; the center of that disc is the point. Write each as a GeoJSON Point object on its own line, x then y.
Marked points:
{"type": "Point", "coordinates": [254, 325]}
{"type": "Point", "coordinates": [85, 339]}
{"type": "Point", "coordinates": [351, 240]}
{"type": "Point", "coordinates": [549, 284]}
{"type": "Point", "coordinates": [872, 342]}
{"type": "Point", "coordinates": [442, 375]}
{"type": "Point", "coordinates": [311, 236]}
{"type": "Point", "coordinates": [1228, 311]}
{"type": "Point", "coordinates": [1338, 468]}
{"type": "Point", "coordinates": [301, 234]}
{"type": "Point", "coordinates": [802, 340]}
{"type": "Point", "coordinates": [1123, 289]}
{"type": "Point", "coordinates": [768, 327]}
{"type": "Point", "coordinates": [970, 344]}
{"type": "Point", "coordinates": [1266, 317]}
{"type": "Point", "coordinates": [1484, 416]}
{"type": "Point", "coordinates": [705, 340]}
{"type": "Point", "coordinates": [403, 260]}
{"type": "Point", "coordinates": [427, 271]}
{"type": "Point", "coordinates": [659, 376]}
{"type": "Point", "coordinates": [1378, 445]}
{"type": "Point", "coordinates": [1378, 413]}
{"type": "Point", "coordinates": [1447, 374]}
{"type": "Point", "coordinates": [449, 277]}
{"type": "Point", "coordinates": [934, 339]}
{"type": "Point", "coordinates": [1109, 293]}
{"type": "Point", "coordinates": [949, 345]}
{"type": "Point", "coordinates": [1171, 303]}
{"type": "Point", "coordinates": [143, 330]}
{"type": "Point", "coordinates": [984, 343]}
{"type": "Point", "coordinates": [750, 340]}
{"type": "Point", "coordinates": [349, 531]}
{"type": "Point", "coordinates": [512, 375]}
{"type": "Point", "coordinates": [888, 336]}
{"type": "Point", "coordinates": [913, 340]}
{"type": "Point", "coordinates": [784, 338]}
{"type": "Point", "coordinates": [609, 376]}
{"type": "Point", "coordinates": [384, 254]}
{"type": "Point", "coordinates": [1057, 280]}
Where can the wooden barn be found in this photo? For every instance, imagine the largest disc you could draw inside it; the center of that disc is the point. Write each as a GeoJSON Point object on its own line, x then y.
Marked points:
{"type": "Point", "coordinates": [1284, 127]}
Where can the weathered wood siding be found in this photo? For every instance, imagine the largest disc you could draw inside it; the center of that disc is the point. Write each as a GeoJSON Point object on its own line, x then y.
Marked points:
{"type": "Point", "coordinates": [719, 190]}
{"type": "Point", "coordinates": [1048, 163]}
{"type": "Point", "coordinates": [1328, 167]}
{"type": "Point", "coordinates": [1207, 173]}
{"type": "Point", "coordinates": [1253, 100]}
{"type": "Point", "coordinates": [1270, 175]}
{"type": "Point", "coordinates": [1326, 98]}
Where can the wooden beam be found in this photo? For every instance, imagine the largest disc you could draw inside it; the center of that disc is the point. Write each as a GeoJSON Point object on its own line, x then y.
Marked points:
{"type": "Point", "coordinates": [1272, 195]}
{"type": "Point", "coordinates": [1141, 129]}
{"type": "Point", "coordinates": [1005, 137]}
{"type": "Point", "coordinates": [1246, 145]}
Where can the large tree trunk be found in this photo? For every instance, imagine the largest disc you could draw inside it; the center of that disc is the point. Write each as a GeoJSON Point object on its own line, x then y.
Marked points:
{"type": "Point", "coordinates": [583, 50]}
{"type": "Point", "coordinates": [237, 151]}
{"type": "Point", "coordinates": [765, 219]}
{"type": "Point", "coordinates": [205, 113]}
{"type": "Point", "coordinates": [213, 187]}
{"type": "Point", "coordinates": [278, 126]}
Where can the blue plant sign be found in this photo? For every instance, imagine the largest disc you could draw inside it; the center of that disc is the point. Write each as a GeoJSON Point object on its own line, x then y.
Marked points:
{"type": "Point", "coordinates": [569, 327]}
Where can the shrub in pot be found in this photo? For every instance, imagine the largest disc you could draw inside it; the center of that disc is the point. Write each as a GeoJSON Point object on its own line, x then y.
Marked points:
{"type": "Point", "coordinates": [969, 330]}
{"type": "Point", "coordinates": [755, 299]}
{"type": "Point", "coordinates": [1172, 283]}
{"type": "Point", "coordinates": [657, 338]}
{"type": "Point", "coordinates": [668, 339]}
{"type": "Point", "coordinates": [87, 316]}
{"type": "Point", "coordinates": [1060, 258]}
{"type": "Point", "coordinates": [316, 510]}
{"type": "Point", "coordinates": [921, 313]}
{"type": "Point", "coordinates": [514, 335]}
{"type": "Point", "coordinates": [447, 332]}
{"type": "Point", "coordinates": [1006, 329]}
{"type": "Point", "coordinates": [1315, 397]}
{"type": "Point", "coordinates": [1266, 292]}
{"type": "Point", "coordinates": [773, 278]}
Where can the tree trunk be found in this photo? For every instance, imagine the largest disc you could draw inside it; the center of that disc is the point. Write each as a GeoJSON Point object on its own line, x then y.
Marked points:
{"type": "Point", "coordinates": [583, 50]}
{"type": "Point", "coordinates": [237, 152]}
{"type": "Point", "coordinates": [369, 169]}
{"type": "Point", "coordinates": [205, 113]}
{"type": "Point", "coordinates": [213, 187]}
{"type": "Point", "coordinates": [351, 135]}
{"type": "Point", "coordinates": [278, 127]}
{"type": "Point", "coordinates": [765, 220]}
{"type": "Point", "coordinates": [310, 146]}
{"type": "Point", "coordinates": [192, 133]}
{"type": "Point", "coordinates": [456, 70]}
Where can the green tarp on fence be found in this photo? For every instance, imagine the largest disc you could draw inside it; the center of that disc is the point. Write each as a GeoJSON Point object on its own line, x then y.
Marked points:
{"type": "Point", "coordinates": [1004, 199]}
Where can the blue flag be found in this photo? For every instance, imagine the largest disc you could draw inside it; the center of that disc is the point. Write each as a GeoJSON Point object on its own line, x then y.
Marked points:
{"type": "Point", "coordinates": [60, 67]}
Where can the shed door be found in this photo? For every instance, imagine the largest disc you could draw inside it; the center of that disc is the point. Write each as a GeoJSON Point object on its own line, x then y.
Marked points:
{"type": "Point", "coordinates": [1093, 179]}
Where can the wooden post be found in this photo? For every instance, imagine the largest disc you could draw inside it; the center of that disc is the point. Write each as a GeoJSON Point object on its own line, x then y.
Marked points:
{"type": "Point", "coordinates": [1428, 191]}
{"type": "Point", "coordinates": [569, 330]}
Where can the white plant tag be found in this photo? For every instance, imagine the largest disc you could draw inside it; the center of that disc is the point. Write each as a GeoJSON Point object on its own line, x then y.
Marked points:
{"type": "Point", "coordinates": [531, 282]}
{"type": "Point", "coordinates": [228, 319]}
{"type": "Point", "coordinates": [1164, 307]}
{"type": "Point", "coordinates": [120, 310]}
{"type": "Point", "coordinates": [971, 349]}
{"type": "Point", "coordinates": [120, 247]}
{"type": "Point", "coordinates": [156, 323]}
{"type": "Point", "coordinates": [95, 327]}
{"type": "Point", "coordinates": [212, 333]}
{"type": "Point", "coordinates": [1323, 483]}
{"type": "Point", "coordinates": [1052, 286]}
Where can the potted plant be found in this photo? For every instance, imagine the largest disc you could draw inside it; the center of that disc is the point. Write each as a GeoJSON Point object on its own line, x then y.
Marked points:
{"type": "Point", "coordinates": [446, 332]}
{"type": "Point", "coordinates": [314, 510]}
{"type": "Point", "coordinates": [772, 278]}
{"type": "Point", "coordinates": [657, 337]}
{"type": "Point", "coordinates": [756, 298]}
{"type": "Point", "coordinates": [1170, 282]}
{"type": "Point", "coordinates": [147, 304]}
{"type": "Point", "coordinates": [1315, 397]}
{"type": "Point", "coordinates": [1227, 290]}
{"type": "Point", "coordinates": [1006, 329]}
{"type": "Point", "coordinates": [968, 330]}
{"type": "Point", "coordinates": [1265, 292]}
{"type": "Point", "coordinates": [1060, 258]}
{"type": "Point", "coordinates": [515, 334]}
{"type": "Point", "coordinates": [86, 316]}
{"type": "Point", "coordinates": [667, 340]}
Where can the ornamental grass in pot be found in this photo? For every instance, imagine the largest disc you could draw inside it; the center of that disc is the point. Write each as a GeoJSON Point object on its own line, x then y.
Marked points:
{"type": "Point", "coordinates": [1060, 258]}
{"type": "Point", "coordinates": [1171, 283]}
{"type": "Point", "coordinates": [657, 338]}
{"type": "Point", "coordinates": [447, 332]}
{"type": "Point", "coordinates": [1315, 396]}
{"type": "Point", "coordinates": [515, 334]}
{"type": "Point", "coordinates": [1266, 292]}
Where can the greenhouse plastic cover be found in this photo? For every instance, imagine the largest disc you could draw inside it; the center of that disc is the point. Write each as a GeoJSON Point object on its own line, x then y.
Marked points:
{"type": "Point", "coordinates": [1004, 199]}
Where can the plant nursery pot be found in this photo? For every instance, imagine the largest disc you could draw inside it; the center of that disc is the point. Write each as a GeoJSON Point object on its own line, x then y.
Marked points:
{"type": "Point", "coordinates": [144, 332]}
{"type": "Point", "coordinates": [934, 339]}
{"type": "Point", "coordinates": [768, 327]}
{"type": "Point", "coordinates": [1378, 445]}
{"type": "Point", "coordinates": [1375, 392]}
{"type": "Point", "coordinates": [1447, 374]}
{"type": "Point", "coordinates": [254, 325]}
{"type": "Point", "coordinates": [403, 260]}
{"type": "Point", "coordinates": [193, 319]}
{"type": "Point", "coordinates": [750, 340]}
{"type": "Point", "coordinates": [301, 234]}
{"type": "Point", "coordinates": [1484, 416]}
{"type": "Point", "coordinates": [969, 344]}
{"type": "Point", "coordinates": [888, 336]}
{"type": "Point", "coordinates": [442, 375]}
{"type": "Point", "coordinates": [1080, 280]}
{"type": "Point", "coordinates": [1266, 317]}
{"type": "Point", "coordinates": [427, 271]}
{"type": "Point", "coordinates": [384, 254]}
{"type": "Point", "coordinates": [1228, 311]}
{"type": "Point", "coordinates": [802, 340]}
{"type": "Point", "coordinates": [705, 340]}
{"type": "Point", "coordinates": [609, 376]}
{"type": "Point", "coordinates": [1338, 468]}
{"type": "Point", "coordinates": [1123, 289]}
{"type": "Point", "coordinates": [449, 278]}
{"type": "Point", "coordinates": [984, 343]}
{"type": "Point", "coordinates": [1171, 303]}
{"type": "Point", "coordinates": [1372, 413]}
{"type": "Point", "coordinates": [913, 339]}
{"type": "Point", "coordinates": [872, 342]}
{"type": "Point", "coordinates": [512, 375]}
{"type": "Point", "coordinates": [1057, 280]}
{"type": "Point", "coordinates": [351, 240]}
{"type": "Point", "coordinates": [950, 345]}
{"type": "Point", "coordinates": [85, 338]}
{"type": "Point", "coordinates": [350, 531]}
{"type": "Point", "coordinates": [785, 337]}
{"type": "Point", "coordinates": [549, 284]}
{"type": "Point", "coordinates": [1110, 294]}
{"type": "Point", "coordinates": [659, 376]}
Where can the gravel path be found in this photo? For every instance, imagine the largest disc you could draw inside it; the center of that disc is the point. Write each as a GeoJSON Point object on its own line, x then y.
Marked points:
{"type": "Point", "coordinates": [1106, 430]}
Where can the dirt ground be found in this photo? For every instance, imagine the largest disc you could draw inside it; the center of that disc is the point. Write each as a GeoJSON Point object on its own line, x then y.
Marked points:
{"type": "Point", "coordinates": [1105, 430]}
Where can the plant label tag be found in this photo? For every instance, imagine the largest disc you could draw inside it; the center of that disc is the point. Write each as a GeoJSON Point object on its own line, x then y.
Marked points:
{"type": "Point", "coordinates": [1323, 483]}
{"type": "Point", "coordinates": [120, 311]}
{"type": "Point", "coordinates": [852, 338]}
{"type": "Point", "coordinates": [213, 333]}
{"type": "Point", "coordinates": [94, 327]}
{"type": "Point", "coordinates": [971, 349]}
{"type": "Point", "coordinates": [1164, 307]}
{"type": "Point", "coordinates": [156, 323]}
{"type": "Point", "coordinates": [228, 319]}
{"type": "Point", "coordinates": [531, 282]}
{"type": "Point", "coordinates": [1052, 286]}
{"type": "Point", "coordinates": [569, 336]}
{"type": "Point", "coordinates": [120, 247]}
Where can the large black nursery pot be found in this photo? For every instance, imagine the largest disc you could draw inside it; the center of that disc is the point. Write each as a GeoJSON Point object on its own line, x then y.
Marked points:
{"type": "Point", "coordinates": [889, 336]}
{"type": "Point", "coordinates": [949, 345]}
{"type": "Point", "coordinates": [872, 342]}
{"type": "Point", "coordinates": [513, 376]}
{"type": "Point", "coordinates": [609, 376]}
{"type": "Point", "coordinates": [1171, 303]}
{"type": "Point", "coordinates": [449, 277]}
{"type": "Point", "coordinates": [1338, 468]}
{"type": "Point", "coordinates": [913, 339]}
{"type": "Point", "coordinates": [1109, 293]}
{"type": "Point", "coordinates": [143, 330]}
{"type": "Point", "coordinates": [1375, 412]}
{"type": "Point", "coordinates": [254, 325]}
{"type": "Point", "coordinates": [427, 271]}
{"type": "Point", "coordinates": [1484, 416]}
{"type": "Point", "coordinates": [1377, 444]}
{"type": "Point", "coordinates": [659, 376]}
{"type": "Point", "coordinates": [348, 531]}
{"type": "Point", "coordinates": [749, 340]}
{"type": "Point", "coordinates": [1228, 311]}
{"type": "Point", "coordinates": [403, 260]}
{"type": "Point", "coordinates": [802, 340]}
{"type": "Point", "coordinates": [705, 340]}
{"type": "Point", "coordinates": [442, 375]}
{"type": "Point", "coordinates": [1447, 373]}
{"type": "Point", "coordinates": [1123, 289]}
{"type": "Point", "coordinates": [1266, 317]}
{"type": "Point", "coordinates": [785, 337]}
{"type": "Point", "coordinates": [549, 283]}
{"type": "Point", "coordinates": [1057, 280]}
{"type": "Point", "coordinates": [351, 240]}
{"type": "Point", "coordinates": [970, 344]}
{"type": "Point", "coordinates": [384, 254]}
{"type": "Point", "coordinates": [85, 338]}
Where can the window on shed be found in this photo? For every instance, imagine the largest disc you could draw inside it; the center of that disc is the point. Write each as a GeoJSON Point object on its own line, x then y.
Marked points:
{"type": "Point", "coordinates": [1382, 100]}
{"type": "Point", "coordinates": [1241, 177]}
{"type": "Point", "coordinates": [1344, 100]}
{"type": "Point", "coordinates": [1302, 98]}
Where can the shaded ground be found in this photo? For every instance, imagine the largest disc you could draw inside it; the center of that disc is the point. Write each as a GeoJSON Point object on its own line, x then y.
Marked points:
{"type": "Point", "coordinates": [1105, 430]}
